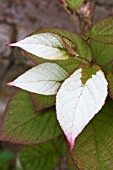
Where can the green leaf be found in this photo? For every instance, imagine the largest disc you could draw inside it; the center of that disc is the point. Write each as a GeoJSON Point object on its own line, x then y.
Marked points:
{"type": "Point", "coordinates": [74, 4]}
{"type": "Point", "coordinates": [42, 102]}
{"type": "Point", "coordinates": [82, 48]}
{"type": "Point", "coordinates": [110, 84]}
{"type": "Point", "coordinates": [94, 146]}
{"type": "Point", "coordinates": [102, 31]}
{"type": "Point", "coordinates": [44, 156]}
{"type": "Point", "coordinates": [5, 158]}
{"type": "Point", "coordinates": [23, 125]}
{"type": "Point", "coordinates": [102, 54]}
{"type": "Point", "coordinates": [71, 165]}
{"type": "Point", "coordinates": [69, 65]}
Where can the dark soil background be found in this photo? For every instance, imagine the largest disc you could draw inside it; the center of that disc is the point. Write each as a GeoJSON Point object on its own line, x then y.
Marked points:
{"type": "Point", "coordinates": [21, 17]}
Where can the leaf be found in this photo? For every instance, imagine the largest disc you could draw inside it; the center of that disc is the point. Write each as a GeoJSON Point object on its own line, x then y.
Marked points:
{"type": "Point", "coordinates": [103, 55]}
{"type": "Point", "coordinates": [45, 45]}
{"type": "Point", "coordinates": [68, 65]}
{"type": "Point", "coordinates": [45, 156]}
{"type": "Point", "coordinates": [110, 84]}
{"type": "Point", "coordinates": [42, 102]}
{"type": "Point", "coordinates": [82, 48]}
{"type": "Point", "coordinates": [42, 79]}
{"type": "Point", "coordinates": [74, 4]}
{"type": "Point", "coordinates": [5, 158]}
{"type": "Point", "coordinates": [102, 31]}
{"type": "Point", "coordinates": [94, 146]}
{"type": "Point", "coordinates": [71, 165]}
{"type": "Point", "coordinates": [21, 124]}
{"type": "Point", "coordinates": [79, 98]}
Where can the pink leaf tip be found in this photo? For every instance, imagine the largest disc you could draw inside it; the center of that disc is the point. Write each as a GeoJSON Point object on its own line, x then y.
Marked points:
{"type": "Point", "coordinates": [7, 45]}
{"type": "Point", "coordinates": [71, 143]}
{"type": "Point", "coordinates": [10, 45]}
{"type": "Point", "coordinates": [9, 84]}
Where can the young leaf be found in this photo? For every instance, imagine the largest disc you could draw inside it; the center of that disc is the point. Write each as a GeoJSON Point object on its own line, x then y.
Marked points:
{"type": "Point", "coordinates": [94, 146]}
{"type": "Point", "coordinates": [102, 54]}
{"type": "Point", "coordinates": [44, 156]}
{"type": "Point", "coordinates": [74, 4]}
{"type": "Point", "coordinates": [102, 31]}
{"type": "Point", "coordinates": [110, 84]}
{"type": "Point", "coordinates": [79, 98]}
{"type": "Point", "coordinates": [45, 45]}
{"type": "Point", "coordinates": [23, 125]}
{"type": "Point", "coordinates": [42, 79]}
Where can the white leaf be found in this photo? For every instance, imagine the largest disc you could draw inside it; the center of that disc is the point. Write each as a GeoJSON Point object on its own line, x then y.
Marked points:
{"type": "Point", "coordinates": [77, 103]}
{"type": "Point", "coordinates": [42, 79]}
{"type": "Point", "coordinates": [44, 45]}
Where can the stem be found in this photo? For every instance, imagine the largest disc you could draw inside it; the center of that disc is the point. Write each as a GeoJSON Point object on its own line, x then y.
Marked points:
{"type": "Point", "coordinates": [68, 12]}
{"type": "Point", "coordinates": [83, 58]}
{"type": "Point", "coordinates": [75, 22]}
{"type": "Point", "coordinates": [73, 18]}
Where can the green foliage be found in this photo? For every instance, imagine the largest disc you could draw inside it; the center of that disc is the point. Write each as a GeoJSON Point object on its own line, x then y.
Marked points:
{"type": "Point", "coordinates": [44, 156]}
{"type": "Point", "coordinates": [23, 125]}
{"type": "Point", "coordinates": [5, 157]}
{"type": "Point", "coordinates": [69, 65]}
{"type": "Point", "coordinates": [110, 84]}
{"type": "Point", "coordinates": [94, 146]}
{"type": "Point", "coordinates": [42, 102]}
{"type": "Point", "coordinates": [102, 54]}
{"type": "Point", "coordinates": [103, 31]}
{"type": "Point", "coordinates": [71, 166]}
{"type": "Point", "coordinates": [74, 4]}
{"type": "Point", "coordinates": [88, 71]}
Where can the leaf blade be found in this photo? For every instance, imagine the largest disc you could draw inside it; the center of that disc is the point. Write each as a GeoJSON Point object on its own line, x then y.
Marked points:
{"type": "Point", "coordinates": [102, 54]}
{"type": "Point", "coordinates": [42, 79]}
{"type": "Point", "coordinates": [110, 84]}
{"type": "Point", "coordinates": [102, 31]}
{"type": "Point", "coordinates": [74, 4]}
{"type": "Point", "coordinates": [25, 126]}
{"type": "Point", "coordinates": [45, 156]}
{"type": "Point", "coordinates": [86, 88]}
{"type": "Point", "coordinates": [94, 145]}
{"type": "Point", "coordinates": [44, 45]}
